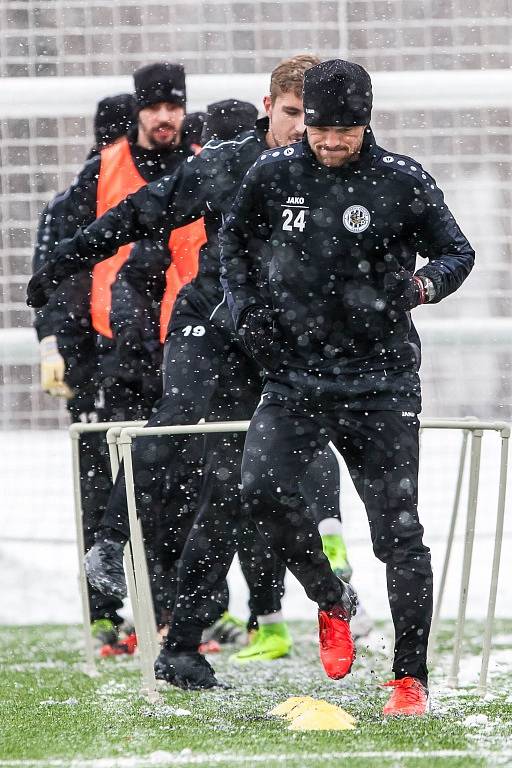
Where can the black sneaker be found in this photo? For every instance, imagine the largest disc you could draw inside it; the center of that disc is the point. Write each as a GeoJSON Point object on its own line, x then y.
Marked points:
{"type": "Point", "coordinates": [349, 601]}
{"type": "Point", "coordinates": [104, 568]}
{"type": "Point", "coordinates": [185, 669]}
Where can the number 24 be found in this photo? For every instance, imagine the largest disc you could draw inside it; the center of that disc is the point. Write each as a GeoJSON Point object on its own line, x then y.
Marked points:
{"type": "Point", "coordinates": [299, 221]}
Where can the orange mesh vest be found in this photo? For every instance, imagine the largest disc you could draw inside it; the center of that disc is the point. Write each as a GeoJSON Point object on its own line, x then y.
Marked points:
{"type": "Point", "coordinates": [184, 244]}
{"type": "Point", "coordinates": [118, 178]}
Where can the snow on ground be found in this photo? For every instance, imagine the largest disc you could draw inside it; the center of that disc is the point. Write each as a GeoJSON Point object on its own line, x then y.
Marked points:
{"type": "Point", "coordinates": [38, 563]}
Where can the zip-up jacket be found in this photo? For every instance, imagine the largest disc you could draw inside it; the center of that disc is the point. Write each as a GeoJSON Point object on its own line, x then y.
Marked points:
{"type": "Point", "coordinates": [333, 234]}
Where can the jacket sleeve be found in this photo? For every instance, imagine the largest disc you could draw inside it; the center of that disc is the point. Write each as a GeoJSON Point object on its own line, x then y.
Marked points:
{"type": "Point", "coordinates": [139, 287]}
{"type": "Point", "coordinates": [59, 314]}
{"type": "Point", "coordinates": [243, 240]}
{"type": "Point", "coordinates": [152, 212]}
{"type": "Point", "coordinates": [440, 240]}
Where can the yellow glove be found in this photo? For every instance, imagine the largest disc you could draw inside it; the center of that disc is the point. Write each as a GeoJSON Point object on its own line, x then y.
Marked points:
{"type": "Point", "coordinates": [53, 368]}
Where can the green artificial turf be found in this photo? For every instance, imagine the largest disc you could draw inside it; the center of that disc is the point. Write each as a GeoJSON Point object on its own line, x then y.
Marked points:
{"type": "Point", "coordinates": [52, 713]}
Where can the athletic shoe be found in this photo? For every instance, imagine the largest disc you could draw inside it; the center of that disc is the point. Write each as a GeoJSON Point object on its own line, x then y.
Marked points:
{"type": "Point", "coordinates": [185, 669]}
{"type": "Point", "coordinates": [104, 568]}
{"type": "Point", "coordinates": [337, 649]}
{"type": "Point", "coordinates": [122, 646]}
{"type": "Point", "coordinates": [362, 624]}
{"type": "Point", "coordinates": [335, 551]}
{"type": "Point", "coordinates": [227, 629]}
{"type": "Point", "coordinates": [272, 641]}
{"type": "Point", "coordinates": [104, 631]}
{"type": "Point", "coordinates": [210, 646]}
{"type": "Point", "coordinates": [409, 697]}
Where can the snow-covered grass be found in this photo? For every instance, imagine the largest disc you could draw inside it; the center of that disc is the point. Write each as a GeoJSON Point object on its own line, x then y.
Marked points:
{"type": "Point", "coordinates": [51, 714]}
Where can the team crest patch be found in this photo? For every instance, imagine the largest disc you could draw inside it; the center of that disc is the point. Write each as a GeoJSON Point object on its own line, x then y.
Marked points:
{"type": "Point", "coordinates": [356, 218]}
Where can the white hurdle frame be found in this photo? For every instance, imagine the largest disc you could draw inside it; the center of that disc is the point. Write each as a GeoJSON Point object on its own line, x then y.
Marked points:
{"type": "Point", "coordinates": [76, 430]}
{"type": "Point", "coordinates": [473, 427]}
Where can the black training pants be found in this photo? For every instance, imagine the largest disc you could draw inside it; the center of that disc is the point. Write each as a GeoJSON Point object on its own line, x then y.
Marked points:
{"type": "Point", "coordinates": [380, 449]}
{"type": "Point", "coordinates": [206, 375]}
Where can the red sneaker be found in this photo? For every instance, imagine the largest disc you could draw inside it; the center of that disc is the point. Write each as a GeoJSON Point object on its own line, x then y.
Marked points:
{"type": "Point", "coordinates": [125, 646]}
{"type": "Point", "coordinates": [337, 649]}
{"type": "Point", "coordinates": [410, 697]}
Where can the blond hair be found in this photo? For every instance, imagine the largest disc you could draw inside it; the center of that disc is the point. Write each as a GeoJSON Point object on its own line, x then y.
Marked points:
{"type": "Point", "coordinates": [288, 76]}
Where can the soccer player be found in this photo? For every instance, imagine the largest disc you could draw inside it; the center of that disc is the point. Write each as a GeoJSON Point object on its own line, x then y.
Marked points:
{"type": "Point", "coordinates": [344, 220]}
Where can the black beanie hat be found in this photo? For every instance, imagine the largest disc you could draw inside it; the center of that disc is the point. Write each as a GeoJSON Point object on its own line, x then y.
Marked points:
{"type": "Point", "coordinates": [160, 82]}
{"type": "Point", "coordinates": [225, 119]}
{"type": "Point", "coordinates": [114, 117]}
{"type": "Point", "coordinates": [193, 126]}
{"type": "Point", "coordinates": [337, 92]}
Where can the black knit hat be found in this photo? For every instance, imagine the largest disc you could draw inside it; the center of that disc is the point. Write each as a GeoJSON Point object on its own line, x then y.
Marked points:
{"type": "Point", "coordinates": [192, 127]}
{"type": "Point", "coordinates": [114, 117]}
{"type": "Point", "coordinates": [337, 92]}
{"type": "Point", "coordinates": [160, 82]}
{"type": "Point", "coordinates": [225, 119]}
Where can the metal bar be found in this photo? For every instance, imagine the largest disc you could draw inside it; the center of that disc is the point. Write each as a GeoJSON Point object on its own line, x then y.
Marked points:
{"type": "Point", "coordinates": [498, 541]}
{"type": "Point", "coordinates": [128, 558]}
{"type": "Point", "coordinates": [100, 426]}
{"type": "Point", "coordinates": [449, 544]}
{"type": "Point", "coordinates": [147, 632]}
{"type": "Point", "coordinates": [474, 476]}
{"type": "Point", "coordinates": [90, 666]}
{"type": "Point", "coordinates": [472, 424]}
{"type": "Point", "coordinates": [113, 452]}
{"type": "Point", "coordinates": [187, 429]}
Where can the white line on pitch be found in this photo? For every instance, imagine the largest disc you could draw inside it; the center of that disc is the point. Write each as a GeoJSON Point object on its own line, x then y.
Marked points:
{"type": "Point", "coordinates": [189, 758]}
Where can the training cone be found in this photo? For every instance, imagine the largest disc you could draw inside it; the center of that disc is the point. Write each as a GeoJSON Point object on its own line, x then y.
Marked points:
{"type": "Point", "coordinates": [308, 714]}
{"type": "Point", "coordinates": [322, 719]}
{"type": "Point", "coordinates": [284, 709]}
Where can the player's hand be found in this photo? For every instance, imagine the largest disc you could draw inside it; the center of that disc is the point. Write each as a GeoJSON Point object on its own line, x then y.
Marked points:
{"type": "Point", "coordinates": [404, 290]}
{"type": "Point", "coordinates": [53, 369]}
{"type": "Point", "coordinates": [260, 337]}
{"type": "Point", "coordinates": [41, 286]}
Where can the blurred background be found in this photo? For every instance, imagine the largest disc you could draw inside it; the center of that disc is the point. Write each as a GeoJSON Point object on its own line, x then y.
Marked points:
{"type": "Point", "coordinates": [443, 85]}
{"type": "Point", "coordinates": [443, 97]}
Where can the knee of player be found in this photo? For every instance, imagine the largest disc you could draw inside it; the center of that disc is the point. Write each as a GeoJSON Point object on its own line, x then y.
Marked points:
{"type": "Point", "coordinates": [407, 551]}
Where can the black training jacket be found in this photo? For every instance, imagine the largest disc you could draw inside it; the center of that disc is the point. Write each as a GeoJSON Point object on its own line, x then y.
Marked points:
{"type": "Point", "coordinates": [204, 185]}
{"type": "Point", "coordinates": [333, 235]}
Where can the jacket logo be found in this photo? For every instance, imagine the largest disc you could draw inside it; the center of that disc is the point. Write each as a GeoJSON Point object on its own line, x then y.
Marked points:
{"type": "Point", "coordinates": [356, 218]}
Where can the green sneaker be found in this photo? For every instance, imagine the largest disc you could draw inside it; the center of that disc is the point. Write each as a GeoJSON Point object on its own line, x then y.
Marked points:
{"type": "Point", "coordinates": [227, 629]}
{"type": "Point", "coordinates": [104, 632]}
{"type": "Point", "coordinates": [335, 550]}
{"type": "Point", "coordinates": [272, 641]}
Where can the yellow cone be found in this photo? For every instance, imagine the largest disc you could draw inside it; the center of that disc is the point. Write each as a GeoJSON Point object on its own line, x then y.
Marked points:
{"type": "Point", "coordinates": [283, 709]}
{"type": "Point", "coordinates": [306, 713]}
{"type": "Point", "coordinates": [321, 719]}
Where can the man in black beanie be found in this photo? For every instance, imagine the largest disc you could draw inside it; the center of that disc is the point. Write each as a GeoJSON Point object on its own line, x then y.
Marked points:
{"type": "Point", "coordinates": [225, 119]}
{"type": "Point", "coordinates": [332, 324]}
{"type": "Point", "coordinates": [114, 118]}
{"type": "Point", "coordinates": [151, 149]}
{"type": "Point", "coordinates": [161, 99]}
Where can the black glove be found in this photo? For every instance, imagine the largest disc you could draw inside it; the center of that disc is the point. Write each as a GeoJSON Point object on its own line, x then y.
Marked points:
{"type": "Point", "coordinates": [130, 354]}
{"type": "Point", "coordinates": [41, 286]}
{"type": "Point", "coordinates": [65, 260]}
{"type": "Point", "coordinates": [261, 338]}
{"type": "Point", "coordinates": [404, 290]}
